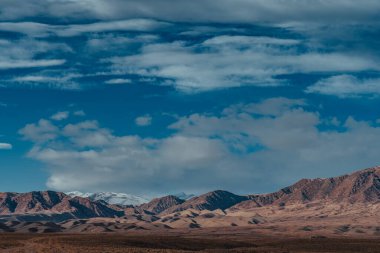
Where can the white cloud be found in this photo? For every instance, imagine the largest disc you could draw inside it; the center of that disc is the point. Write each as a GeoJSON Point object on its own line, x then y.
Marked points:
{"type": "Point", "coordinates": [47, 79]}
{"type": "Point", "coordinates": [60, 116]}
{"type": "Point", "coordinates": [346, 86]}
{"type": "Point", "coordinates": [28, 28]}
{"type": "Point", "coordinates": [268, 107]}
{"type": "Point", "coordinates": [248, 41]}
{"type": "Point", "coordinates": [27, 48]}
{"type": "Point", "coordinates": [21, 54]}
{"type": "Point", "coordinates": [119, 81]}
{"type": "Point", "coordinates": [5, 146]}
{"type": "Point", "coordinates": [79, 113]}
{"type": "Point", "coordinates": [145, 120]}
{"type": "Point", "coordinates": [106, 42]}
{"type": "Point", "coordinates": [34, 29]}
{"type": "Point", "coordinates": [233, 150]}
{"type": "Point", "coordinates": [39, 79]}
{"type": "Point", "coordinates": [17, 64]}
{"type": "Point", "coordinates": [231, 61]}
{"type": "Point", "coordinates": [140, 25]}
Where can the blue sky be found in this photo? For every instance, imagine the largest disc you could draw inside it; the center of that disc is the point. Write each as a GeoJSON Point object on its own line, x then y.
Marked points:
{"type": "Point", "coordinates": [157, 97]}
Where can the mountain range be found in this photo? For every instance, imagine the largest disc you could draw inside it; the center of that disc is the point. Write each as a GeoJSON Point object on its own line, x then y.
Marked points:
{"type": "Point", "coordinates": [122, 199]}
{"type": "Point", "coordinates": [346, 203]}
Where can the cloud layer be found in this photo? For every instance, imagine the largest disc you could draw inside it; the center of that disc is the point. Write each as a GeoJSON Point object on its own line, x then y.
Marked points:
{"type": "Point", "coordinates": [236, 11]}
{"type": "Point", "coordinates": [229, 44]}
{"type": "Point", "coordinates": [231, 61]}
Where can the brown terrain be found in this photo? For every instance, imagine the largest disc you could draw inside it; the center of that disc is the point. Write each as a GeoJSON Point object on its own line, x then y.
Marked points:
{"type": "Point", "coordinates": [340, 214]}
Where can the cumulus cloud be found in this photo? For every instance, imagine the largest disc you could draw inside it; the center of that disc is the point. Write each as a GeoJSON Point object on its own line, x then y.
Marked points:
{"type": "Point", "coordinates": [5, 146]}
{"type": "Point", "coordinates": [60, 116]}
{"type": "Point", "coordinates": [288, 142]}
{"type": "Point", "coordinates": [86, 149]}
{"type": "Point", "coordinates": [346, 86]}
{"type": "Point", "coordinates": [145, 120]}
{"type": "Point", "coordinates": [42, 131]}
{"type": "Point", "coordinates": [232, 150]}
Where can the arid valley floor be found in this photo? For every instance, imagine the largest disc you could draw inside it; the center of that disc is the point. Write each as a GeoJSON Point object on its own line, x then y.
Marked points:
{"type": "Point", "coordinates": [185, 241]}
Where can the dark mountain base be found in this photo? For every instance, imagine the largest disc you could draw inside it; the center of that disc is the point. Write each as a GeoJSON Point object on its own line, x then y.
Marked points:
{"type": "Point", "coordinates": [171, 243]}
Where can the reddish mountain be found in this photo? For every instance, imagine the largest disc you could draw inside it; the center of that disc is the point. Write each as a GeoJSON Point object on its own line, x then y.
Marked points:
{"type": "Point", "coordinates": [359, 187]}
{"type": "Point", "coordinates": [49, 203]}
{"type": "Point", "coordinates": [159, 205]}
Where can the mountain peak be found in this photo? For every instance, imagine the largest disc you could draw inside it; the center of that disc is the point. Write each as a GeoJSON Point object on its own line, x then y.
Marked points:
{"type": "Point", "coordinates": [158, 205]}
{"type": "Point", "coordinates": [214, 200]}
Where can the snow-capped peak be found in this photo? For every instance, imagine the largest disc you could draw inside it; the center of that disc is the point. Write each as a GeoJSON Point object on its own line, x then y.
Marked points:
{"type": "Point", "coordinates": [184, 196]}
{"type": "Point", "coordinates": [112, 198]}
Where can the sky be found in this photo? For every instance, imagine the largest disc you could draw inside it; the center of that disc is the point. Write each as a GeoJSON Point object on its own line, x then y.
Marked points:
{"type": "Point", "coordinates": [155, 97]}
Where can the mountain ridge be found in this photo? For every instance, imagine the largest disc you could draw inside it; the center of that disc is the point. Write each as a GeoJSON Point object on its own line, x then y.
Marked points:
{"type": "Point", "coordinates": [359, 186]}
